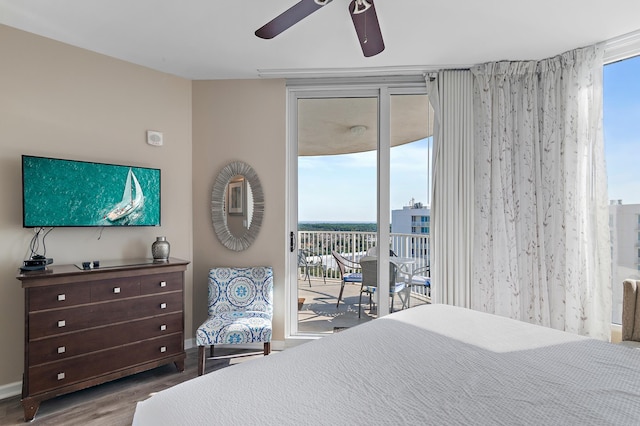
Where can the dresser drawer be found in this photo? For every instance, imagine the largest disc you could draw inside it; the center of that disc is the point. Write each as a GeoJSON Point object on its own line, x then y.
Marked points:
{"type": "Point", "coordinates": [58, 296]}
{"type": "Point", "coordinates": [81, 342]}
{"type": "Point", "coordinates": [49, 376]}
{"type": "Point", "coordinates": [59, 321]}
{"type": "Point", "coordinates": [114, 289]}
{"type": "Point", "coordinates": [161, 283]}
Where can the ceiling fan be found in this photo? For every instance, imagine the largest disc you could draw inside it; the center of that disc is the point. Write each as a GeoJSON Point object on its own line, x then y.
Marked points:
{"type": "Point", "coordinates": [363, 14]}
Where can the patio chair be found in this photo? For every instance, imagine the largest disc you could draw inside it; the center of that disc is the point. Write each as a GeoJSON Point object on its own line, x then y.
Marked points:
{"type": "Point", "coordinates": [369, 285]}
{"type": "Point", "coordinates": [307, 261]}
{"type": "Point", "coordinates": [240, 309]}
{"type": "Point", "coordinates": [420, 278]}
{"type": "Point", "coordinates": [346, 277]}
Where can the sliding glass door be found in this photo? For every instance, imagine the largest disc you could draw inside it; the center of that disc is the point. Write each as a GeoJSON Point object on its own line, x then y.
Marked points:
{"type": "Point", "coordinates": [346, 147]}
{"type": "Point", "coordinates": [337, 142]}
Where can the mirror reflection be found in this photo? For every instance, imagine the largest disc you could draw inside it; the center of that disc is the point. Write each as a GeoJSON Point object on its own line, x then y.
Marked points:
{"type": "Point", "coordinates": [237, 206]}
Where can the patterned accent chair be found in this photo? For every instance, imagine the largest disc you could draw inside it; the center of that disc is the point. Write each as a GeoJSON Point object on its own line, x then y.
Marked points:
{"type": "Point", "coordinates": [631, 314]}
{"type": "Point", "coordinates": [240, 309]}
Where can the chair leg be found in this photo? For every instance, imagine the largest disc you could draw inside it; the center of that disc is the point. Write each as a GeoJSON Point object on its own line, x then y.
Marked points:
{"type": "Point", "coordinates": [267, 348]}
{"type": "Point", "coordinates": [201, 360]}
{"type": "Point", "coordinates": [307, 275]}
{"type": "Point", "coordinates": [360, 305]}
{"type": "Point", "coordinates": [340, 295]}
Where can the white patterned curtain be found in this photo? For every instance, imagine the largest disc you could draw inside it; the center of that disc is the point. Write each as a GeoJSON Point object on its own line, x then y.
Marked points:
{"type": "Point", "coordinates": [451, 96]}
{"type": "Point", "coordinates": [541, 243]}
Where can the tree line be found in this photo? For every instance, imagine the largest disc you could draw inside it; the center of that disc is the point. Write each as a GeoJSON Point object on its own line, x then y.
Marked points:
{"type": "Point", "coordinates": [340, 227]}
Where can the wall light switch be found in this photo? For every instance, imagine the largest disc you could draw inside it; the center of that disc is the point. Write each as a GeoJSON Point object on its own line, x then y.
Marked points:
{"type": "Point", "coordinates": [154, 138]}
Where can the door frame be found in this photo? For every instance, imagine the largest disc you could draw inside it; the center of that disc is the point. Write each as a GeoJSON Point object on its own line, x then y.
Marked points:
{"type": "Point", "coordinates": [381, 88]}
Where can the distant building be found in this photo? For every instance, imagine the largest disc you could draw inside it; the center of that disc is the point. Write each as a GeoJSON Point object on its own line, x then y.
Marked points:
{"type": "Point", "coordinates": [413, 219]}
{"type": "Point", "coordinates": [624, 222]}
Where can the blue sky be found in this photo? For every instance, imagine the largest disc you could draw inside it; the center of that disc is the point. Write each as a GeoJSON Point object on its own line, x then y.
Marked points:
{"type": "Point", "coordinates": [622, 129]}
{"type": "Point", "coordinates": [342, 188]}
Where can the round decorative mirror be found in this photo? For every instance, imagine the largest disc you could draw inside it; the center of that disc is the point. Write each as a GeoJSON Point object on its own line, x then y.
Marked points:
{"type": "Point", "coordinates": [237, 206]}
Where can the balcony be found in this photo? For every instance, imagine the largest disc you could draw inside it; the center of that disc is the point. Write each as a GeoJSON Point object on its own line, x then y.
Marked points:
{"type": "Point", "coordinates": [317, 300]}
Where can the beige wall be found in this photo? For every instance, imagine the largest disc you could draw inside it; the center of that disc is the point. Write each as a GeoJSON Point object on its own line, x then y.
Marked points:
{"type": "Point", "coordinates": [239, 120]}
{"type": "Point", "coordinates": [61, 101]}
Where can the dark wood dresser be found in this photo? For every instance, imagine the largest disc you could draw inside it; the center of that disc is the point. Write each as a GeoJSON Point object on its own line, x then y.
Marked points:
{"type": "Point", "coordinates": [86, 327]}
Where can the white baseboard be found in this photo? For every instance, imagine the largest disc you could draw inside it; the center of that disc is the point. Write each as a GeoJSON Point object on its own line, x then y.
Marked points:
{"type": "Point", "coordinates": [10, 390]}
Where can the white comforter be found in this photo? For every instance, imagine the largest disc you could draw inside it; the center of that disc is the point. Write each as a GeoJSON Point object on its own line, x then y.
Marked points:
{"type": "Point", "coordinates": [429, 365]}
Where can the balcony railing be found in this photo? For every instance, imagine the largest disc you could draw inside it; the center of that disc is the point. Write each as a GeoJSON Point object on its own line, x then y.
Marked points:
{"type": "Point", "coordinates": [353, 245]}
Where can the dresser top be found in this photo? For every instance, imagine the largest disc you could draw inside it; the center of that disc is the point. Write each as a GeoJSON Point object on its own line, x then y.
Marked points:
{"type": "Point", "coordinates": [107, 269]}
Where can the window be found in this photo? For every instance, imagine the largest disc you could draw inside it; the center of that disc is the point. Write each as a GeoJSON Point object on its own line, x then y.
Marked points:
{"type": "Point", "coordinates": [622, 149]}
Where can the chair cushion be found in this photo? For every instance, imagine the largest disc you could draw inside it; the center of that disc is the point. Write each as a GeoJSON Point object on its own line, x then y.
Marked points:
{"type": "Point", "coordinates": [368, 289]}
{"type": "Point", "coordinates": [420, 280]}
{"type": "Point", "coordinates": [235, 328]}
{"type": "Point", "coordinates": [355, 277]}
{"type": "Point", "coordinates": [399, 286]}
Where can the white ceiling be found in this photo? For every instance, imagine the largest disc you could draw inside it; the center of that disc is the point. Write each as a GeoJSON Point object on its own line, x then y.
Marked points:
{"type": "Point", "coordinates": [214, 39]}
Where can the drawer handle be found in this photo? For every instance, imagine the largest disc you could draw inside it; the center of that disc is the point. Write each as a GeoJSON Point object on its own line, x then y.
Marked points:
{"type": "Point", "coordinates": [163, 283]}
{"type": "Point", "coordinates": [61, 349]}
{"type": "Point", "coordinates": [62, 323]}
{"type": "Point", "coordinates": [163, 327]}
{"type": "Point", "coordinates": [163, 306]}
{"type": "Point", "coordinates": [62, 297]}
{"type": "Point", "coordinates": [116, 290]}
{"type": "Point", "coordinates": [60, 376]}
{"type": "Point", "coordinates": [163, 348]}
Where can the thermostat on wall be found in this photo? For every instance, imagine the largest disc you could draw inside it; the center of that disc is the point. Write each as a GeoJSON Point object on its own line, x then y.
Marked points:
{"type": "Point", "coordinates": [154, 138]}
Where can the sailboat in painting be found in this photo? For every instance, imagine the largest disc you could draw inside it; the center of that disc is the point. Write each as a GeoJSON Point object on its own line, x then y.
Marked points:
{"type": "Point", "coordinates": [131, 199]}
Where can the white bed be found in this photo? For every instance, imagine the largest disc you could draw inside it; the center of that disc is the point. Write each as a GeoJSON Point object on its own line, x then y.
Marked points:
{"type": "Point", "coordinates": [432, 364]}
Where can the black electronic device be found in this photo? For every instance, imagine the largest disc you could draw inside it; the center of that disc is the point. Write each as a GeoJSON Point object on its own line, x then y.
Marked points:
{"type": "Point", "coordinates": [36, 263]}
{"type": "Point", "coordinates": [33, 268]}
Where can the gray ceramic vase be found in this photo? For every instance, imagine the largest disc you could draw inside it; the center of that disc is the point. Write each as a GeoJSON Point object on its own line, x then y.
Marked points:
{"type": "Point", "coordinates": [160, 249]}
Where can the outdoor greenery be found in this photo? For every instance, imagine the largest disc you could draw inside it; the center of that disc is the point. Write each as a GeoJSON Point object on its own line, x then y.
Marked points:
{"type": "Point", "coordinates": [341, 227]}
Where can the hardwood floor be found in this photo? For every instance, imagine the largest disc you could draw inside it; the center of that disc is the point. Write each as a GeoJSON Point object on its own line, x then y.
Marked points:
{"type": "Point", "coordinates": [114, 403]}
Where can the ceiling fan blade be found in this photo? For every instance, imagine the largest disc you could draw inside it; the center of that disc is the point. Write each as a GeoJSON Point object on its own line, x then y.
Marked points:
{"type": "Point", "coordinates": [367, 28]}
{"type": "Point", "coordinates": [289, 17]}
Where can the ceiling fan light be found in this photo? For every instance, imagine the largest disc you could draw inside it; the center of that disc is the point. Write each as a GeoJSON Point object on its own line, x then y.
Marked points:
{"type": "Point", "coordinates": [361, 6]}
{"type": "Point", "coordinates": [321, 2]}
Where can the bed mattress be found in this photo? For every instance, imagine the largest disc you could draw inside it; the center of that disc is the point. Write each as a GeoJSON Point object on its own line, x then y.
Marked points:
{"type": "Point", "coordinates": [429, 365]}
